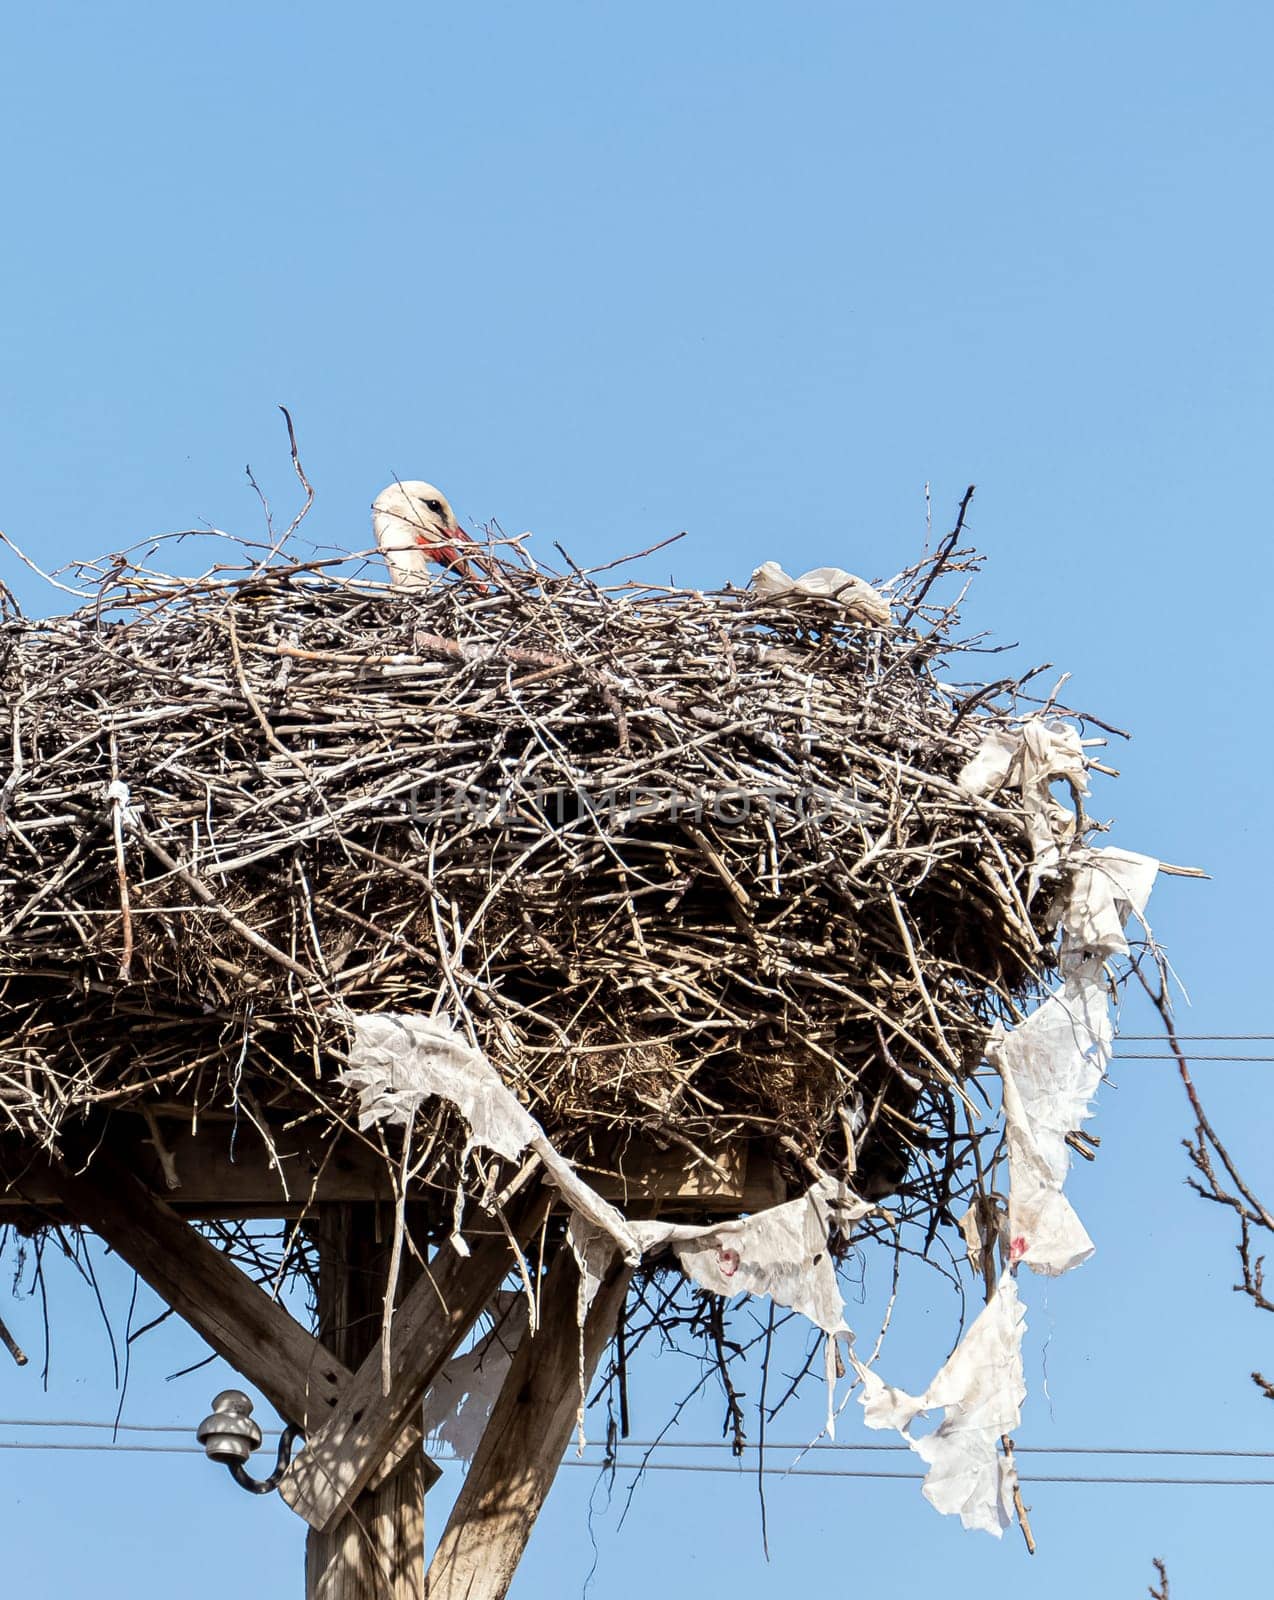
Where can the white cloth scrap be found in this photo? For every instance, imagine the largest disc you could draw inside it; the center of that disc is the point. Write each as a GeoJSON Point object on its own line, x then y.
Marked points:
{"type": "Point", "coordinates": [396, 1062]}
{"type": "Point", "coordinates": [1106, 888]}
{"type": "Point", "coordinates": [1050, 1066]}
{"type": "Point", "coordinates": [1030, 759]}
{"type": "Point", "coordinates": [781, 1252]}
{"type": "Point", "coordinates": [594, 1250]}
{"type": "Point", "coordinates": [1052, 1063]}
{"type": "Point", "coordinates": [859, 599]}
{"type": "Point", "coordinates": [980, 1390]}
{"type": "Point", "coordinates": [988, 768]}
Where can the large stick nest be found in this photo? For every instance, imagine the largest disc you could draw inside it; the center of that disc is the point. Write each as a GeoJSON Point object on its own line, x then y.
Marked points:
{"type": "Point", "coordinates": [684, 864]}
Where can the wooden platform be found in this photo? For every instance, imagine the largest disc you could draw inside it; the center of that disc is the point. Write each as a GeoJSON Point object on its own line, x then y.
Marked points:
{"type": "Point", "coordinates": [139, 1181]}
{"type": "Point", "coordinates": [226, 1172]}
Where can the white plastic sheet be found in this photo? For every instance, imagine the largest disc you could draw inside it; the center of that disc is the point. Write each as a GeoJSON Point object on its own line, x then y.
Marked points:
{"type": "Point", "coordinates": [461, 1398]}
{"type": "Point", "coordinates": [1031, 759]}
{"type": "Point", "coordinates": [1050, 1066]}
{"type": "Point", "coordinates": [1052, 1063]}
{"type": "Point", "coordinates": [781, 1252]}
{"type": "Point", "coordinates": [1107, 887]}
{"type": "Point", "coordinates": [396, 1062]}
{"type": "Point", "coordinates": [980, 1391]}
{"type": "Point", "coordinates": [859, 599]}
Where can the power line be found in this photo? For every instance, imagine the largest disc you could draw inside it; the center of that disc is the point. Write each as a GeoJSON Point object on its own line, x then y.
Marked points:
{"type": "Point", "coordinates": [122, 1449]}
{"type": "Point", "coordinates": [1018, 1449]}
{"type": "Point", "coordinates": [630, 1446]}
{"type": "Point", "coordinates": [707, 1444]}
{"type": "Point", "coordinates": [114, 1427]}
{"type": "Point", "coordinates": [689, 1466]}
{"type": "Point", "coordinates": [701, 1444]}
{"type": "Point", "coordinates": [917, 1477]}
{"type": "Point", "coordinates": [1204, 1039]}
{"type": "Point", "coordinates": [1191, 1055]}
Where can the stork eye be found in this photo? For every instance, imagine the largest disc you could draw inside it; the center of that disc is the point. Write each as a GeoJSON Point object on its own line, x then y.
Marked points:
{"type": "Point", "coordinates": [435, 506]}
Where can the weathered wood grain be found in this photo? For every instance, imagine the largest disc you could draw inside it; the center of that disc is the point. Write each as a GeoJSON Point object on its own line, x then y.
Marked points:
{"type": "Point", "coordinates": [341, 1458]}
{"type": "Point", "coordinates": [521, 1450]}
{"type": "Point", "coordinates": [303, 1171]}
{"type": "Point", "coordinates": [378, 1551]}
{"type": "Point", "coordinates": [255, 1334]}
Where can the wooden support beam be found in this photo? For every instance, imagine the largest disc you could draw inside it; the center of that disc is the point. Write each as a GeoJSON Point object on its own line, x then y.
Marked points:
{"type": "Point", "coordinates": [521, 1449]}
{"type": "Point", "coordinates": [301, 1171]}
{"type": "Point", "coordinates": [644, 1180]}
{"type": "Point", "coordinates": [378, 1551]}
{"type": "Point", "coordinates": [296, 1373]}
{"type": "Point", "coordinates": [342, 1457]}
{"type": "Point", "coordinates": [240, 1321]}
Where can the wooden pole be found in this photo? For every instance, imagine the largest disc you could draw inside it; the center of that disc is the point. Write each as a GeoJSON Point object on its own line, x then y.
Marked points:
{"type": "Point", "coordinates": [360, 1443]}
{"type": "Point", "coordinates": [515, 1464]}
{"type": "Point", "coordinates": [377, 1552]}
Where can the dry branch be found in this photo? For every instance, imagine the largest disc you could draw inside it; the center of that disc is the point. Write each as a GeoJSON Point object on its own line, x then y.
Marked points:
{"type": "Point", "coordinates": [1227, 1187]}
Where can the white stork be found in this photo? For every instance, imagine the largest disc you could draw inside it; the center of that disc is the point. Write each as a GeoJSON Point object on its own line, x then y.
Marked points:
{"type": "Point", "coordinates": [415, 529]}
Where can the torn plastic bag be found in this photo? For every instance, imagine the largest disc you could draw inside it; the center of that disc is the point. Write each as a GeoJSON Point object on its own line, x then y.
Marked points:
{"type": "Point", "coordinates": [980, 1389]}
{"type": "Point", "coordinates": [855, 595]}
{"type": "Point", "coordinates": [396, 1062]}
{"type": "Point", "coordinates": [781, 1252]}
{"type": "Point", "coordinates": [460, 1400]}
{"type": "Point", "coordinates": [1050, 1065]}
{"type": "Point", "coordinates": [1030, 759]}
{"type": "Point", "coordinates": [1106, 888]}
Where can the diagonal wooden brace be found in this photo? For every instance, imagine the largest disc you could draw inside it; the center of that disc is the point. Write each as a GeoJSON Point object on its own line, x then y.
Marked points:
{"type": "Point", "coordinates": [346, 1453]}
{"type": "Point", "coordinates": [293, 1370]}
{"type": "Point", "coordinates": [521, 1449]}
{"type": "Point", "coordinates": [301, 1380]}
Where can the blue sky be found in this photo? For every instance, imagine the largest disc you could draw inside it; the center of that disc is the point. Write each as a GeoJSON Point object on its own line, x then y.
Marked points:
{"type": "Point", "coordinates": [759, 273]}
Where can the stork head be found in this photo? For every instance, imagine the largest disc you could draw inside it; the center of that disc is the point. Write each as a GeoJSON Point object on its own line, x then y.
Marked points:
{"type": "Point", "coordinates": [408, 520]}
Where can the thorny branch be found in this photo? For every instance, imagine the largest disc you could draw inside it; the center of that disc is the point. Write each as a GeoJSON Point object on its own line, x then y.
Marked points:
{"type": "Point", "coordinates": [735, 1426]}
